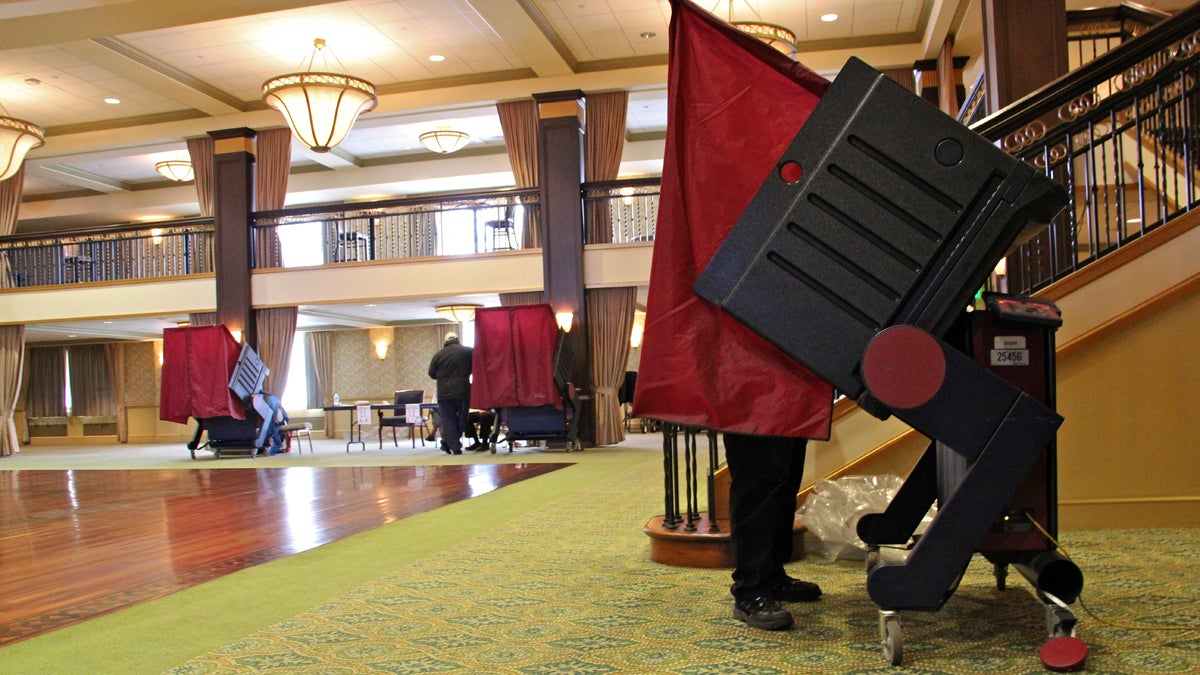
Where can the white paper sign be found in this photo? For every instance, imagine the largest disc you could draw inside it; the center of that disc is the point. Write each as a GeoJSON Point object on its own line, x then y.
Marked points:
{"type": "Point", "coordinates": [412, 413]}
{"type": "Point", "coordinates": [364, 413]}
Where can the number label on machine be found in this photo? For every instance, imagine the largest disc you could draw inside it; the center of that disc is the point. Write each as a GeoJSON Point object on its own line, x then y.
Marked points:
{"type": "Point", "coordinates": [1009, 350]}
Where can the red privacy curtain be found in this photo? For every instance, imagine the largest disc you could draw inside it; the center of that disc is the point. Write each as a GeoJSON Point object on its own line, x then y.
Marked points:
{"type": "Point", "coordinates": [514, 357]}
{"type": "Point", "coordinates": [734, 106]}
{"type": "Point", "coordinates": [197, 363]}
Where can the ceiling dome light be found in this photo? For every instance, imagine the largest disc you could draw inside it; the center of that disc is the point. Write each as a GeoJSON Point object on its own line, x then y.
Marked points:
{"type": "Point", "coordinates": [458, 313]}
{"type": "Point", "coordinates": [17, 137]}
{"type": "Point", "coordinates": [320, 107]}
{"type": "Point", "coordinates": [178, 170]}
{"type": "Point", "coordinates": [829, 18]}
{"type": "Point", "coordinates": [444, 140]}
{"type": "Point", "coordinates": [778, 37]}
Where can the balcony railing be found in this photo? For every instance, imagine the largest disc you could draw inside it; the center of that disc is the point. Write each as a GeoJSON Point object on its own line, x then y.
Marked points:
{"type": "Point", "coordinates": [453, 224]}
{"type": "Point", "coordinates": [120, 253]}
{"type": "Point", "coordinates": [627, 210]}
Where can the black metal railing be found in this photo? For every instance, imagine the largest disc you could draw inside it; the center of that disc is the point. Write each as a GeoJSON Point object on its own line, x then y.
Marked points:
{"type": "Point", "coordinates": [681, 471]}
{"type": "Point", "coordinates": [628, 209]}
{"type": "Point", "coordinates": [119, 253]}
{"type": "Point", "coordinates": [1120, 134]}
{"type": "Point", "coordinates": [441, 225]}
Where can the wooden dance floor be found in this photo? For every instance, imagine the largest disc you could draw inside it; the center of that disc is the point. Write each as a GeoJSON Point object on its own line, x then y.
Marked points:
{"type": "Point", "coordinates": [78, 544]}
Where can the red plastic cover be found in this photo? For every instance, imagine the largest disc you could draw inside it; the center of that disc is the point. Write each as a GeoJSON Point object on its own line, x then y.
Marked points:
{"type": "Point", "coordinates": [197, 363]}
{"type": "Point", "coordinates": [513, 363]}
{"type": "Point", "coordinates": [735, 106]}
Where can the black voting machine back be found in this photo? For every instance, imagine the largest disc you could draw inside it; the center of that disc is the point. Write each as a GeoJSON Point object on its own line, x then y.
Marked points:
{"type": "Point", "coordinates": [859, 252]}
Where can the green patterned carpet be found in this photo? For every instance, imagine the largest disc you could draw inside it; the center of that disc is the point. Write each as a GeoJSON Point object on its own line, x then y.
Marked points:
{"type": "Point", "coordinates": [568, 588]}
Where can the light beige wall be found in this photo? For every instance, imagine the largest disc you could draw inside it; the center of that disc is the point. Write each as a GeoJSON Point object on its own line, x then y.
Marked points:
{"type": "Point", "coordinates": [1128, 447]}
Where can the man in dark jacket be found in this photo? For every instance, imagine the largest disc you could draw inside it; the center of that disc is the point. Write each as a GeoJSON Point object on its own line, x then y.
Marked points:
{"type": "Point", "coordinates": [451, 367]}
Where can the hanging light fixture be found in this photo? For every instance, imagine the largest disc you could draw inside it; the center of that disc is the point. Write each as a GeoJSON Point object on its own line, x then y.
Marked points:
{"type": "Point", "coordinates": [444, 140]}
{"type": "Point", "coordinates": [458, 313]}
{"type": "Point", "coordinates": [320, 106]}
{"type": "Point", "coordinates": [772, 34]}
{"type": "Point", "coordinates": [17, 137]}
{"type": "Point", "coordinates": [178, 170]}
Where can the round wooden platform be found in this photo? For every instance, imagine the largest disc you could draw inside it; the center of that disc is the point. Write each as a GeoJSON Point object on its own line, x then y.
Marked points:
{"type": "Point", "coordinates": [703, 546]}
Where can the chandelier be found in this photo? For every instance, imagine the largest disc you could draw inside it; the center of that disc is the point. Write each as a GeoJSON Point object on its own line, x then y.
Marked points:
{"type": "Point", "coordinates": [17, 137]}
{"type": "Point", "coordinates": [458, 313]}
{"type": "Point", "coordinates": [178, 170]}
{"type": "Point", "coordinates": [772, 34]}
{"type": "Point", "coordinates": [444, 140]}
{"type": "Point", "coordinates": [320, 107]}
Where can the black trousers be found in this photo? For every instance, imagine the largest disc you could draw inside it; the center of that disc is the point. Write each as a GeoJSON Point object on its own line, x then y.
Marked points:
{"type": "Point", "coordinates": [452, 412]}
{"type": "Point", "coordinates": [765, 474]}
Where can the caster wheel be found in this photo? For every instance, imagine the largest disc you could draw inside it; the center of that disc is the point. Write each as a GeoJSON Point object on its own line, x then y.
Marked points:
{"type": "Point", "coordinates": [892, 636]}
{"type": "Point", "coordinates": [1063, 654]}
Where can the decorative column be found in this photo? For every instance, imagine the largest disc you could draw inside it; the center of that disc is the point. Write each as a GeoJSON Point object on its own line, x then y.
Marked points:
{"type": "Point", "coordinates": [1024, 48]}
{"type": "Point", "coordinates": [560, 168]}
{"type": "Point", "coordinates": [233, 180]}
{"type": "Point", "coordinates": [940, 82]}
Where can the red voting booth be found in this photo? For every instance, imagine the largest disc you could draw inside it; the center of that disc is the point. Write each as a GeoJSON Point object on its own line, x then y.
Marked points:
{"type": "Point", "coordinates": [518, 370]}
{"type": "Point", "coordinates": [209, 376]}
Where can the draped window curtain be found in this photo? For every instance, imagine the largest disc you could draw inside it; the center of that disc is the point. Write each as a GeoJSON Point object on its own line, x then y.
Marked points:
{"type": "Point", "coordinates": [201, 152]}
{"type": "Point", "coordinates": [604, 141]}
{"type": "Point", "coordinates": [272, 163]}
{"type": "Point", "coordinates": [200, 249]}
{"type": "Point", "coordinates": [318, 354]}
{"type": "Point", "coordinates": [46, 373]}
{"type": "Point", "coordinates": [12, 356]}
{"type": "Point", "coordinates": [12, 338]}
{"type": "Point", "coordinates": [518, 122]}
{"type": "Point", "coordinates": [91, 386]}
{"type": "Point", "coordinates": [202, 318]}
{"type": "Point", "coordinates": [115, 358]}
{"type": "Point", "coordinates": [10, 208]}
{"type": "Point", "coordinates": [610, 320]}
{"type": "Point", "coordinates": [524, 298]}
{"type": "Point", "coordinates": [276, 328]}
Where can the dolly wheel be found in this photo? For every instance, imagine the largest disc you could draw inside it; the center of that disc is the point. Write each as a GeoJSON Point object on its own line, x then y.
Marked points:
{"type": "Point", "coordinates": [892, 636]}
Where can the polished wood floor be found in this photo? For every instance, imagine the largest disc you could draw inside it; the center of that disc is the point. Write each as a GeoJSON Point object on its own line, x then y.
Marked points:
{"type": "Point", "coordinates": [78, 544]}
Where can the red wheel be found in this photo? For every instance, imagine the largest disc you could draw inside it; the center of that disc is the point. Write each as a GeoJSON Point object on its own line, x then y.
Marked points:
{"type": "Point", "coordinates": [1063, 654]}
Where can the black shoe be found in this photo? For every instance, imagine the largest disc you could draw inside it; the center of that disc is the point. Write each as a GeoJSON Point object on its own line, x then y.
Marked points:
{"type": "Point", "coordinates": [794, 590]}
{"type": "Point", "coordinates": [431, 437]}
{"type": "Point", "coordinates": [475, 446]}
{"type": "Point", "coordinates": [446, 449]}
{"type": "Point", "coordinates": [456, 452]}
{"type": "Point", "coordinates": [762, 612]}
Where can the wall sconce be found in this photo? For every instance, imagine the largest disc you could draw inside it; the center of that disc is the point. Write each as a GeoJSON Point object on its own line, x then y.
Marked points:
{"type": "Point", "coordinates": [158, 351]}
{"type": "Point", "coordinates": [237, 335]}
{"type": "Point", "coordinates": [382, 339]}
{"type": "Point", "coordinates": [638, 330]}
{"type": "Point", "coordinates": [565, 320]}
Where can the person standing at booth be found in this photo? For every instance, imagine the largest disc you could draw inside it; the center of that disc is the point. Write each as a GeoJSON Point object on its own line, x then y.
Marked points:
{"type": "Point", "coordinates": [451, 368]}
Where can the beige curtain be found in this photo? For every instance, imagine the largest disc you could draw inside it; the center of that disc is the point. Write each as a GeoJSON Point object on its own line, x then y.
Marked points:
{"type": "Point", "coordinates": [12, 356]}
{"type": "Point", "coordinates": [115, 358]}
{"type": "Point", "coordinates": [10, 208]}
{"type": "Point", "coordinates": [525, 298]}
{"type": "Point", "coordinates": [46, 373]}
{"type": "Point", "coordinates": [609, 320]}
{"type": "Point", "coordinates": [91, 390]}
{"type": "Point", "coordinates": [518, 121]}
{"type": "Point", "coordinates": [201, 152]}
{"type": "Point", "coordinates": [202, 318]}
{"type": "Point", "coordinates": [276, 328]}
{"type": "Point", "coordinates": [604, 141]}
{"type": "Point", "coordinates": [318, 354]}
{"type": "Point", "coordinates": [272, 163]}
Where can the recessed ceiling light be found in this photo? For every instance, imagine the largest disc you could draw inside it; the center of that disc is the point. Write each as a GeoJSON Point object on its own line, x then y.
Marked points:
{"type": "Point", "coordinates": [827, 18]}
{"type": "Point", "coordinates": [107, 322]}
{"type": "Point", "coordinates": [436, 58]}
{"type": "Point", "coordinates": [32, 81]}
{"type": "Point", "coordinates": [647, 34]}
{"type": "Point", "coordinates": [112, 101]}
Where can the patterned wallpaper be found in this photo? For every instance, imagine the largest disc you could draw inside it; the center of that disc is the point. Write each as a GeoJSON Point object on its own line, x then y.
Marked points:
{"type": "Point", "coordinates": [143, 377]}
{"type": "Point", "coordinates": [358, 374]}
